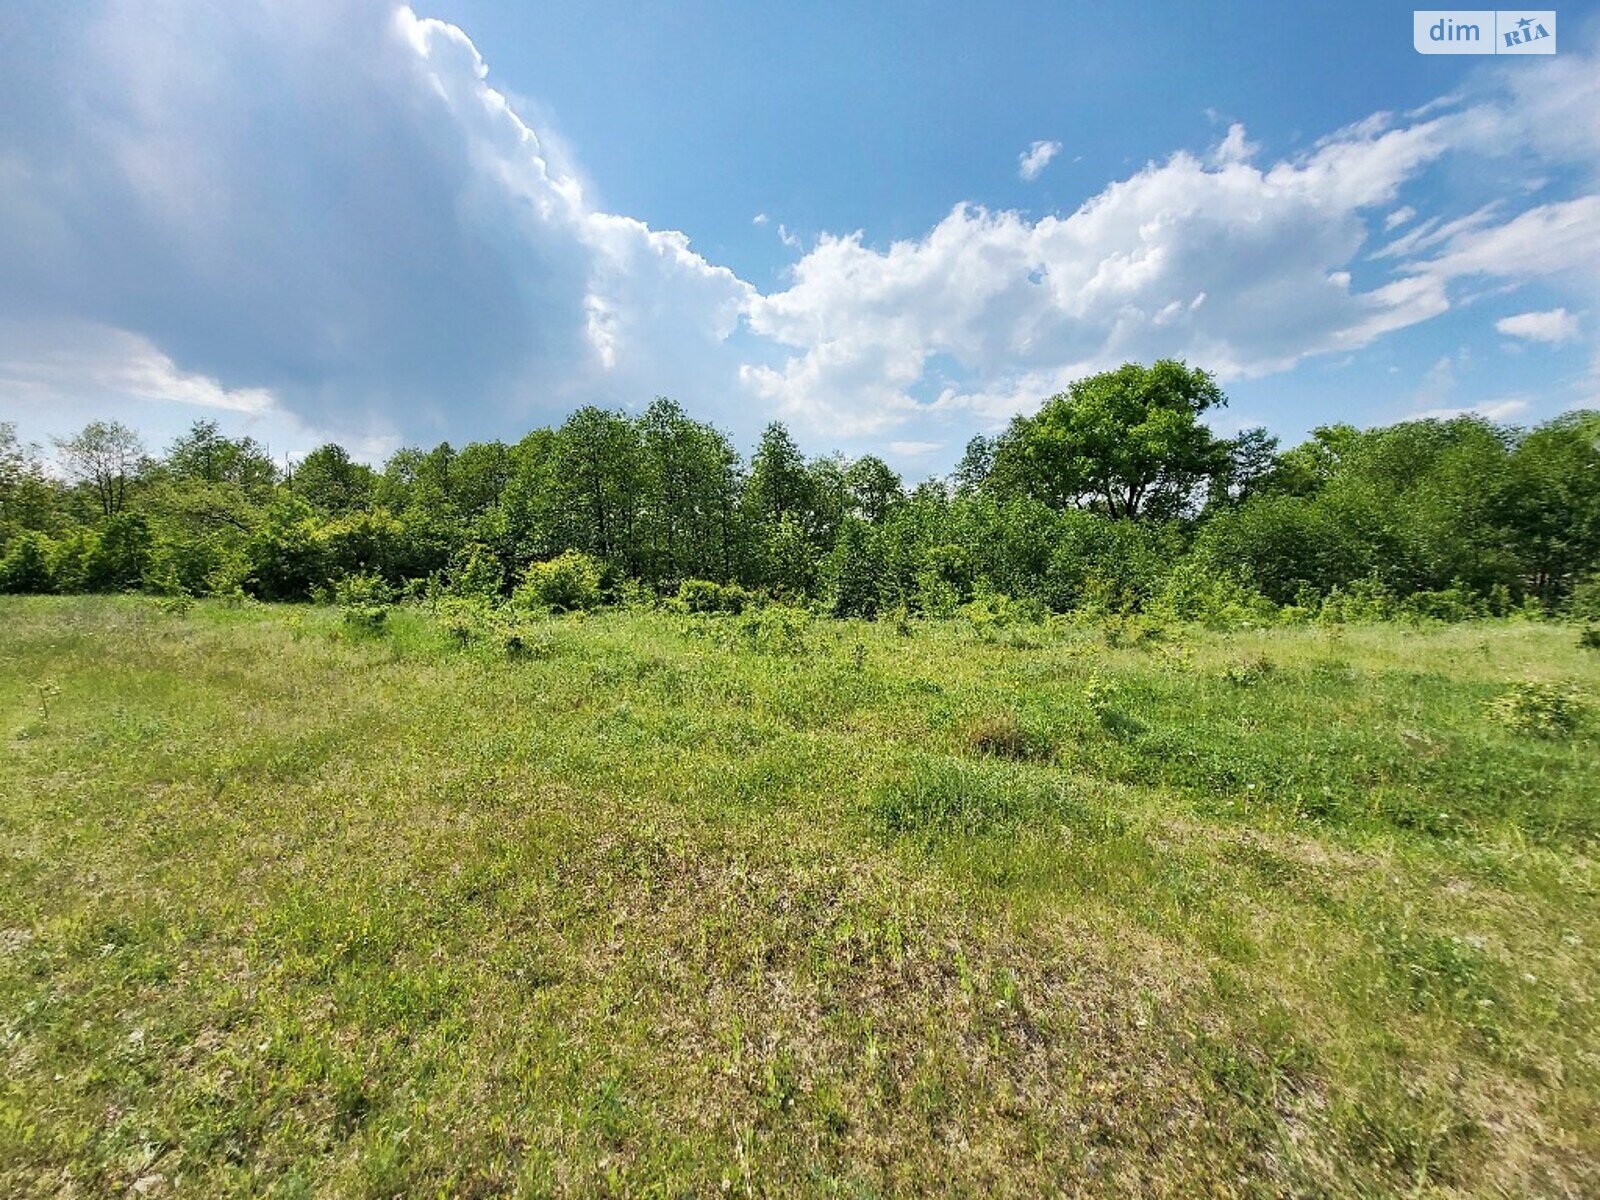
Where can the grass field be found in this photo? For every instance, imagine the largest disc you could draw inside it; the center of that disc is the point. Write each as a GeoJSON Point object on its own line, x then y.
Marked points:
{"type": "Point", "coordinates": [664, 907]}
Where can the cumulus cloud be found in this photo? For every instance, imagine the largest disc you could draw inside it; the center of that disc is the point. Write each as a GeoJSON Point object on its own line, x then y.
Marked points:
{"type": "Point", "coordinates": [328, 201]}
{"type": "Point", "coordinates": [1032, 161]}
{"type": "Point", "coordinates": [1555, 326]}
{"type": "Point", "coordinates": [1239, 266]}
{"type": "Point", "coordinates": [325, 210]}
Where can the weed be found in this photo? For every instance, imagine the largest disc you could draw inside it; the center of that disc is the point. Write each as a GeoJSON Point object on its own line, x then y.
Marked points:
{"type": "Point", "coordinates": [1247, 672]}
{"type": "Point", "coordinates": [1545, 710]}
{"type": "Point", "coordinates": [1001, 734]}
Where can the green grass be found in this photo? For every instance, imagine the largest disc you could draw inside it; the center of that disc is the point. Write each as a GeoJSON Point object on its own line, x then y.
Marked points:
{"type": "Point", "coordinates": [667, 906]}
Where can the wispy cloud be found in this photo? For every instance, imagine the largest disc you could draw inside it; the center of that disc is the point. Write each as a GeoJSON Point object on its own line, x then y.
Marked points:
{"type": "Point", "coordinates": [1554, 326]}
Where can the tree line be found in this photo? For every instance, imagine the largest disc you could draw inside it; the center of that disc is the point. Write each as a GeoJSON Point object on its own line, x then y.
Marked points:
{"type": "Point", "coordinates": [1115, 495]}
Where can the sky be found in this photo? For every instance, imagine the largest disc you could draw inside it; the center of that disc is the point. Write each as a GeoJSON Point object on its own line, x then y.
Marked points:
{"type": "Point", "coordinates": [891, 227]}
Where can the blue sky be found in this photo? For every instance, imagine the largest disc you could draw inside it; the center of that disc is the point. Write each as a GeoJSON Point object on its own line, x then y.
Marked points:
{"type": "Point", "coordinates": [889, 226]}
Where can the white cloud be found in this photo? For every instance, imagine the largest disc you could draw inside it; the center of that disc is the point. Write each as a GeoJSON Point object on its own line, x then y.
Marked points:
{"type": "Point", "coordinates": [1553, 239]}
{"type": "Point", "coordinates": [1236, 266]}
{"type": "Point", "coordinates": [50, 362]}
{"type": "Point", "coordinates": [1398, 217]}
{"type": "Point", "coordinates": [1491, 410]}
{"type": "Point", "coordinates": [1554, 326]}
{"type": "Point", "coordinates": [425, 260]}
{"type": "Point", "coordinates": [1234, 148]}
{"type": "Point", "coordinates": [914, 449]}
{"type": "Point", "coordinates": [432, 264]}
{"type": "Point", "coordinates": [1032, 161]}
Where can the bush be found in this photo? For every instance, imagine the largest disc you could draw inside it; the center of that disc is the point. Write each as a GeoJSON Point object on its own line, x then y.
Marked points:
{"type": "Point", "coordinates": [1585, 602]}
{"type": "Point", "coordinates": [776, 629]}
{"type": "Point", "coordinates": [704, 596]}
{"type": "Point", "coordinates": [364, 600]}
{"type": "Point", "coordinates": [1541, 709]}
{"type": "Point", "coordinates": [476, 574]}
{"type": "Point", "coordinates": [1589, 639]}
{"type": "Point", "coordinates": [362, 590]}
{"type": "Point", "coordinates": [1364, 600]}
{"type": "Point", "coordinates": [121, 554]}
{"type": "Point", "coordinates": [1452, 604]}
{"type": "Point", "coordinates": [1191, 592]}
{"type": "Point", "coordinates": [26, 566]}
{"type": "Point", "coordinates": [569, 582]}
{"type": "Point", "coordinates": [1248, 672]}
{"type": "Point", "coordinates": [521, 639]}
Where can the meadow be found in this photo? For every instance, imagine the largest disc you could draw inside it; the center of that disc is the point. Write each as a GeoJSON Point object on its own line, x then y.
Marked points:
{"type": "Point", "coordinates": [647, 903]}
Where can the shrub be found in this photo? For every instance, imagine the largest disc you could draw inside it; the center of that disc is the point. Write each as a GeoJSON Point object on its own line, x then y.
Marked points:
{"type": "Point", "coordinates": [776, 629]}
{"type": "Point", "coordinates": [1101, 695]}
{"type": "Point", "coordinates": [1589, 639]}
{"type": "Point", "coordinates": [705, 596]}
{"type": "Point", "coordinates": [1364, 600]}
{"type": "Point", "coordinates": [1191, 592]}
{"type": "Point", "coordinates": [121, 554]}
{"type": "Point", "coordinates": [1452, 604]}
{"type": "Point", "coordinates": [26, 566]}
{"type": "Point", "coordinates": [476, 574]}
{"type": "Point", "coordinates": [364, 600]}
{"type": "Point", "coordinates": [1540, 709]}
{"type": "Point", "coordinates": [569, 582]}
{"type": "Point", "coordinates": [1248, 671]}
{"type": "Point", "coordinates": [362, 590]}
{"type": "Point", "coordinates": [1585, 602]}
{"type": "Point", "coordinates": [521, 639]}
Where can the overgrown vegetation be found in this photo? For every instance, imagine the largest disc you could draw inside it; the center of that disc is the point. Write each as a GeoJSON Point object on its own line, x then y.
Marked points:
{"type": "Point", "coordinates": [1135, 812]}
{"type": "Point", "coordinates": [1115, 498]}
{"type": "Point", "coordinates": [486, 899]}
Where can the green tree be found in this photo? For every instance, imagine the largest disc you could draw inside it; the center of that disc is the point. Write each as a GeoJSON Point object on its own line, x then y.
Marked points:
{"type": "Point", "coordinates": [873, 488]}
{"type": "Point", "coordinates": [206, 455]}
{"type": "Point", "coordinates": [1128, 442]}
{"type": "Point", "coordinates": [106, 457]}
{"type": "Point", "coordinates": [332, 482]}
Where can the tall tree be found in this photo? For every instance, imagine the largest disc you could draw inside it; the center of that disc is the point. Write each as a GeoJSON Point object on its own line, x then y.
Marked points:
{"type": "Point", "coordinates": [330, 480]}
{"type": "Point", "coordinates": [1129, 442]}
{"type": "Point", "coordinates": [873, 488]}
{"type": "Point", "coordinates": [106, 456]}
{"type": "Point", "coordinates": [206, 455]}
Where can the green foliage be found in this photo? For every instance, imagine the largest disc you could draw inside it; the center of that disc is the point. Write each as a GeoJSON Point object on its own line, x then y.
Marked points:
{"type": "Point", "coordinates": [1112, 500]}
{"type": "Point", "coordinates": [1192, 593]}
{"type": "Point", "coordinates": [364, 601]}
{"type": "Point", "coordinates": [1589, 639]}
{"type": "Point", "coordinates": [1585, 603]}
{"type": "Point", "coordinates": [1247, 672]}
{"type": "Point", "coordinates": [26, 566]}
{"type": "Point", "coordinates": [777, 629]}
{"type": "Point", "coordinates": [1367, 599]}
{"type": "Point", "coordinates": [120, 555]}
{"type": "Point", "coordinates": [477, 574]}
{"type": "Point", "coordinates": [706, 597]}
{"type": "Point", "coordinates": [570, 582]}
{"type": "Point", "coordinates": [1129, 442]}
{"type": "Point", "coordinates": [1546, 710]}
